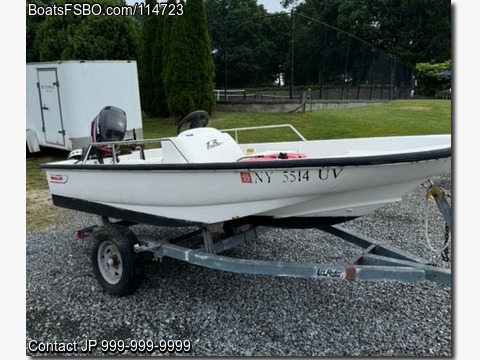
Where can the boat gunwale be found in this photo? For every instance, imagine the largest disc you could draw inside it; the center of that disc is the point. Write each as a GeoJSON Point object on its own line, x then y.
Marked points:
{"type": "Point", "coordinates": [385, 159]}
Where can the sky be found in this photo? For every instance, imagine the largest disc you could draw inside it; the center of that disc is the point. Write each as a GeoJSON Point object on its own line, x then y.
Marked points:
{"type": "Point", "coordinates": [271, 5]}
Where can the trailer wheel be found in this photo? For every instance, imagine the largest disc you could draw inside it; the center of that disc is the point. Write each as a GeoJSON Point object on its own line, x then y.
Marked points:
{"type": "Point", "coordinates": [114, 260]}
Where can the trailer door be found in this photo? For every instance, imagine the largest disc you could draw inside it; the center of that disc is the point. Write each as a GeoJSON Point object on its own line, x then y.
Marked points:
{"type": "Point", "coordinates": [50, 107]}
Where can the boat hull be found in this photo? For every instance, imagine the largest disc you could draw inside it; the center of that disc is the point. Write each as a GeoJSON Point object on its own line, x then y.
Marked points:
{"type": "Point", "coordinates": [298, 193]}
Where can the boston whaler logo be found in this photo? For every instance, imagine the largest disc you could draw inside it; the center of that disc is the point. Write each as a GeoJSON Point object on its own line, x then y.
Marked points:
{"type": "Point", "coordinates": [58, 179]}
{"type": "Point", "coordinates": [213, 144]}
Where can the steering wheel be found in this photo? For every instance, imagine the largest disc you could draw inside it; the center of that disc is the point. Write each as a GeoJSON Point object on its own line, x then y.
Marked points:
{"type": "Point", "coordinates": [197, 119]}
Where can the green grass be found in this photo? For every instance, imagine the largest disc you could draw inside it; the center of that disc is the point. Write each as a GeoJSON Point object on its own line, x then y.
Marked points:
{"type": "Point", "coordinates": [389, 119]}
{"type": "Point", "coordinates": [416, 117]}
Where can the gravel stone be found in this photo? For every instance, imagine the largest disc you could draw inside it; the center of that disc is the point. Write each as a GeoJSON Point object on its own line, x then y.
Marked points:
{"type": "Point", "coordinates": [226, 314]}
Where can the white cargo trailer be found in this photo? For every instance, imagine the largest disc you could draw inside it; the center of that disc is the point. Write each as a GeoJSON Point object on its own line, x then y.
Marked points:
{"type": "Point", "coordinates": [63, 97]}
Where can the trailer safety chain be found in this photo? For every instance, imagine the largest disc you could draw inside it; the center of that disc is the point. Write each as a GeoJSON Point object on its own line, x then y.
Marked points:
{"type": "Point", "coordinates": [445, 256]}
{"type": "Point", "coordinates": [437, 194]}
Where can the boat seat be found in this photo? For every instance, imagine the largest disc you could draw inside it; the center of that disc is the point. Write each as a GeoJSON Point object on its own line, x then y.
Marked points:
{"type": "Point", "coordinates": [201, 145]}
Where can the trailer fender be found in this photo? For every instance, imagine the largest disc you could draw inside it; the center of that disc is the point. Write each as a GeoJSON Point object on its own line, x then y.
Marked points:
{"type": "Point", "coordinates": [32, 142]}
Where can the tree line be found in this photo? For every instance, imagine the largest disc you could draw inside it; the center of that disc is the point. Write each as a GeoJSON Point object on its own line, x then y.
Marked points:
{"type": "Point", "coordinates": [220, 43]}
{"type": "Point", "coordinates": [173, 52]}
{"type": "Point", "coordinates": [411, 30]}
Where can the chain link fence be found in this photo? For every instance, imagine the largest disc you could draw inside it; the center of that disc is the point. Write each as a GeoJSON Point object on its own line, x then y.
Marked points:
{"type": "Point", "coordinates": [284, 56]}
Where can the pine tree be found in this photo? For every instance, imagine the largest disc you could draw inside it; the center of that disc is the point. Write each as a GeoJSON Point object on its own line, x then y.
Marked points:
{"type": "Point", "coordinates": [188, 69]}
{"type": "Point", "coordinates": [199, 47]}
{"type": "Point", "coordinates": [147, 43]}
{"type": "Point", "coordinates": [176, 69]}
{"type": "Point", "coordinates": [159, 101]}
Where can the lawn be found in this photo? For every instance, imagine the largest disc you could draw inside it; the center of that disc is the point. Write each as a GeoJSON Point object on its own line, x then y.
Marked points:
{"type": "Point", "coordinates": [392, 118]}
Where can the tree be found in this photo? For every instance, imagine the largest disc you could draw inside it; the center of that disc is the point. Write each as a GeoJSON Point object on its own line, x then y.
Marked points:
{"type": "Point", "coordinates": [200, 51]}
{"type": "Point", "coordinates": [98, 37]}
{"type": "Point", "coordinates": [246, 42]}
{"type": "Point", "coordinates": [175, 71]}
{"type": "Point", "coordinates": [52, 35]}
{"type": "Point", "coordinates": [188, 65]}
{"type": "Point", "coordinates": [149, 59]}
{"type": "Point", "coordinates": [410, 30]}
{"type": "Point", "coordinates": [165, 50]}
{"type": "Point", "coordinates": [85, 37]}
{"type": "Point", "coordinates": [32, 25]}
{"type": "Point", "coordinates": [429, 81]}
{"type": "Point", "coordinates": [160, 105]}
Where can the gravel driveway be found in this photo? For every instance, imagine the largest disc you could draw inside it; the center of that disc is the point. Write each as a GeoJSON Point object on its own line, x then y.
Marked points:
{"type": "Point", "coordinates": [227, 314]}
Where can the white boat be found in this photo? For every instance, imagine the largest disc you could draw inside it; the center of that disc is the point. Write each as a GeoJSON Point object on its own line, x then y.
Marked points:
{"type": "Point", "coordinates": [203, 176]}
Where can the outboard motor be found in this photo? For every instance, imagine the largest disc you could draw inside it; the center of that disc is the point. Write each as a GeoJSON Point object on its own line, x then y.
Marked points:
{"type": "Point", "coordinates": [109, 125]}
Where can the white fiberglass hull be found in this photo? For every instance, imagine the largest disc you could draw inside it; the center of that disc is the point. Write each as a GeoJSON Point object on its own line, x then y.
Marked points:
{"type": "Point", "coordinates": [316, 190]}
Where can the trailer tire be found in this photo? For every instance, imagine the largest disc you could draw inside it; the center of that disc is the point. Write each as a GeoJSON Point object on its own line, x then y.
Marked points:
{"type": "Point", "coordinates": [114, 260]}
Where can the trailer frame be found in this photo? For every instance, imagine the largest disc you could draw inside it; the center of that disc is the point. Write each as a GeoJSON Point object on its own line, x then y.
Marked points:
{"type": "Point", "coordinates": [116, 249]}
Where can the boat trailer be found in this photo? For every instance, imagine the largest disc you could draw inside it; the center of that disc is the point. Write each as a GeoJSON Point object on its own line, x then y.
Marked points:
{"type": "Point", "coordinates": [116, 251]}
{"type": "Point", "coordinates": [377, 262]}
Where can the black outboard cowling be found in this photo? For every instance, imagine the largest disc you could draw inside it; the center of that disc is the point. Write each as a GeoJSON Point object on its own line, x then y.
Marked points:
{"type": "Point", "coordinates": [109, 125]}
